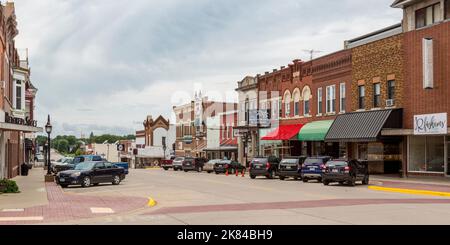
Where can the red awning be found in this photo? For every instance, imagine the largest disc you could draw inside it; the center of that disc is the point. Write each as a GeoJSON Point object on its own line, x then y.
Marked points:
{"type": "Point", "coordinates": [285, 132]}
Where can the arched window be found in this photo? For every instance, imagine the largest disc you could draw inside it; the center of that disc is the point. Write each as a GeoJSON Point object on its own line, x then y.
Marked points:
{"type": "Point", "coordinates": [297, 99]}
{"type": "Point", "coordinates": [287, 104]}
{"type": "Point", "coordinates": [307, 96]}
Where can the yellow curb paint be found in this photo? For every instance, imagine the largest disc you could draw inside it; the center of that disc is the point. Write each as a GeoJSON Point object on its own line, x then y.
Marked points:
{"type": "Point", "coordinates": [410, 191]}
{"type": "Point", "coordinates": [151, 202]}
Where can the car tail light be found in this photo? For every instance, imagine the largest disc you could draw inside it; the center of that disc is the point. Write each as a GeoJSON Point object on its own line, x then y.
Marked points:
{"type": "Point", "coordinates": [323, 167]}
{"type": "Point", "coordinates": [347, 169]}
{"type": "Point", "coordinates": [268, 166]}
{"type": "Point", "coordinates": [303, 165]}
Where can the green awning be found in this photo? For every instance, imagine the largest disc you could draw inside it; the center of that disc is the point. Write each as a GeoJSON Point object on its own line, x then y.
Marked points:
{"type": "Point", "coordinates": [315, 131]}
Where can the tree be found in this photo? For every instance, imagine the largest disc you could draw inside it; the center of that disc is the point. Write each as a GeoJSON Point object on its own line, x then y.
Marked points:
{"type": "Point", "coordinates": [63, 146]}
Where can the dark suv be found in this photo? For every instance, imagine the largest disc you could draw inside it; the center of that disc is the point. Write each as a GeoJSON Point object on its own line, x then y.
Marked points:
{"type": "Point", "coordinates": [313, 168]}
{"type": "Point", "coordinates": [291, 168]}
{"type": "Point", "coordinates": [343, 171]}
{"type": "Point", "coordinates": [264, 166]}
{"type": "Point", "coordinates": [194, 164]}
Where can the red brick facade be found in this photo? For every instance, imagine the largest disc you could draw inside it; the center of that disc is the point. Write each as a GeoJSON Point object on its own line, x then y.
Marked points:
{"type": "Point", "coordinates": [419, 100]}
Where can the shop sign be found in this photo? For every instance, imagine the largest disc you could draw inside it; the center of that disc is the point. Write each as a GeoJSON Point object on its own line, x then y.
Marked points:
{"type": "Point", "coordinates": [260, 118]}
{"type": "Point", "coordinates": [20, 121]}
{"type": "Point", "coordinates": [432, 124]}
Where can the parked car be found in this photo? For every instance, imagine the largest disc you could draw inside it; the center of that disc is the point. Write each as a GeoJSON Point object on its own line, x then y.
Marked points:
{"type": "Point", "coordinates": [61, 162]}
{"type": "Point", "coordinates": [91, 173]}
{"type": "Point", "coordinates": [77, 160]}
{"type": "Point", "coordinates": [264, 166]}
{"type": "Point", "coordinates": [231, 166]}
{"type": "Point", "coordinates": [210, 165]}
{"type": "Point", "coordinates": [39, 157]}
{"type": "Point", "coordinates": [313, 167]}
{"type": "Point", "coordinates": [123, 165]}
{"type": "Point", "coordinates": [167, 164]}
{"type": "Point", "coordinates": [343, 171]}
{"type": "Point", "coordinates": [178, 163]}
{"type": "Point", "coordinates": [291, 168]}
{"type": "Point", "coordinates": [194, 164]}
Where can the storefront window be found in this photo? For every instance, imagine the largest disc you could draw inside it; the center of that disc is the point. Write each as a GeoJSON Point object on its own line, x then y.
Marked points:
{"type": "Point", "coordinates": [426, 154]}
{"type": "Point", "coordinates": [362, 152]}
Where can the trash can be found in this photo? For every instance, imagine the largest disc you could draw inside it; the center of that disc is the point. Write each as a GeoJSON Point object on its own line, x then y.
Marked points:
{"type": "Point", "coordinates": [24, 169]}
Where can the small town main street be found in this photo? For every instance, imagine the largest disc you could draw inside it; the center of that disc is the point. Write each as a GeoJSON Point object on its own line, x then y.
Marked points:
{"type": "Point", "coordinates": [200, 198]}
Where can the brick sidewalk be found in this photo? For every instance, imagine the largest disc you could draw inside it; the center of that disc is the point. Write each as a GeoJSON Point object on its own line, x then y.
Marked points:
{"type": "Point", "coordinates": [64, 207]}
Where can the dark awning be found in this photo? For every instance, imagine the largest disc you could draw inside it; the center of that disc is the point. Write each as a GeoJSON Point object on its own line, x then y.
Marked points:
{"type": "Point", "coordinates": [364, 126]}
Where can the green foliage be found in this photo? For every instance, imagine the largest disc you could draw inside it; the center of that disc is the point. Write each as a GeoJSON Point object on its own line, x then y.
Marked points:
{"type": "Point", "coordinates": [79, 152]}
{"type": "Point", "coordinates": [72, 145]}
{"type": "Point", "coordinates": [8, 186]}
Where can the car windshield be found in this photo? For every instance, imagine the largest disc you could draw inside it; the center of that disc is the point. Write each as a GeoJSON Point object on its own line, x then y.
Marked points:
{"type": "Point", "coordinates": [289, 161]}
{"type": "Point", "coordinates": [226, 162]}
{"type": "Point", "coordinates": [68, 160]}
{"type": "Point", "coordinates": [311, 161]}
{"type": "Point", "coordinates": [260, 160]}
{"type": "Point", "coordinates": [337, 164]}
{"type": "Point", "coordinates": [85, 166]}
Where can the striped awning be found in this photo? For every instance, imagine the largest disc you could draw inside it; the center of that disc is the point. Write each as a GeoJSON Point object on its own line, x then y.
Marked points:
{"type": "Point", "coordinates": [364, 126]}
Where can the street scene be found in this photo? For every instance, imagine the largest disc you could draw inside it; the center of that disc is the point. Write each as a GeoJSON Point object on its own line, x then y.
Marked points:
{"type": "Point", "coordinates": [352, 131]}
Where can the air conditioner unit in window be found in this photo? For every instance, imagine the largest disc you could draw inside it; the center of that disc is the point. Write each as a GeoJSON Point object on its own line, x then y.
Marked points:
{"type": "Point", "coordinates": [390, 103]}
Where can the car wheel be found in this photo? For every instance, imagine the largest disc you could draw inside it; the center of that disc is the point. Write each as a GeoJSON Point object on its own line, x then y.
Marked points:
{"type": "Point", "coordinates": [209, 172]}
{"type": "Point", "coordinates": [366, 180]}
{"type": "Point", "coordinates": [305, 180]}
{"type": "Point", "coordinates": [295, 178]}
{"type": "Point", "coordinates": [217, 173]}
{"type": "Point", "coordinates": [319, 180]}
{"type": "Point", "coordinates": [185, 171]}
{"type": "Point", "coordinates": [86, 182]}
{"type": "Point", "coordinates": [116, 180]}
{"type": "Point", "coordinates": [326, 182]}
{"type": "Point", "coordinates": [64, 186]}
{"type": "Point", "coordinates": [252, 176]}
{"type": "Point", "coordinates": [282, 177]}
{"type": "Point", "coordinates": [166, 169]}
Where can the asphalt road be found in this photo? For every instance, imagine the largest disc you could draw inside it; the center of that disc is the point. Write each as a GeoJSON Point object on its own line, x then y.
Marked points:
{"type": "Point", "coordinates": [209, 199]}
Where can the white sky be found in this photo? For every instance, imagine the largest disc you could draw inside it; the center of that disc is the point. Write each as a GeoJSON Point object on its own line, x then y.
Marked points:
{"type": "Point", "coordinates": [103, 65]}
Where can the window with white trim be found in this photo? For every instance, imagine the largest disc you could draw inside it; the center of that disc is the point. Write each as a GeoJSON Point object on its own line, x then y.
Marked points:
{"type": "Point", "coordinates": [18, 95]}
{"type": "Point", "coordinates": [342, 97]}
{"type": "Point", "coordinates": [287, 105]}
{"type": "Point", "coordinates": [331, 99]}
{"type": "Point", "coordinates": [320, 101]}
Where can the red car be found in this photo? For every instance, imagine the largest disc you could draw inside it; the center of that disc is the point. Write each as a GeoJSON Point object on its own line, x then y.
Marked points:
{"type": "Point", "coordinates": [167, 164]}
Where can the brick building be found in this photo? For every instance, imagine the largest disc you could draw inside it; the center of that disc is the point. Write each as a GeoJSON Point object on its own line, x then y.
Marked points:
{"type": "Point", "coordinates": [191, 127]}
{"type": "Point", "coordinates": [17, 123]}
{"type": "Point", "coordinates": [304, 98]}
{"type": "Point", "coordinates": [426, 38]}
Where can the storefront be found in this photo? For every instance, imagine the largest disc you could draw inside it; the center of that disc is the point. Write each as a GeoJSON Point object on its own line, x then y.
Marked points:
{"type": "Point", "coordinates": [361, 132]}
{"type": "Point", "coordinates": [428, 146]}
{"type": "Point", "coordinates": [312, 136]}
{"type": "Point", "coordinates": [282, 142]}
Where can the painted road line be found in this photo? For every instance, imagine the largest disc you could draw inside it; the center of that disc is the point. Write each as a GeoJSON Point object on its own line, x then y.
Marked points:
{"type": "Point", "coordinates": [410, 191]}
{"type": "Point", "coordinates": [12, 210]}
{"type": "Point", "coordinates": [102, 211]}
{"type": "Point", "coordinates": [11, 219]}
{"type": "Point", "coordinates": [151, 202]}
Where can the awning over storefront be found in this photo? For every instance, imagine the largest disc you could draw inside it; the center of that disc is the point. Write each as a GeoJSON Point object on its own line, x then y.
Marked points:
{"type": "Point", "coordinates": [364, 126]}
{"type": "Point", "coordinates": [285, 132]}
{"type": "Point", "coordinates": [315, 131]}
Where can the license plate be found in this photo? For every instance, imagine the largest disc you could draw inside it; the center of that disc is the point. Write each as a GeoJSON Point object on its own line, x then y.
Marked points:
{"type": "Point", "coordinates": [62, 180]}
{"type": "Point", "coordinates": [288, 167]}
{"type": "Point", "coordinates": [335, 171]}
{"type": "Point", "coordinates": [258, 167]}
{"type": "Point", "coordinates": [312, 169]}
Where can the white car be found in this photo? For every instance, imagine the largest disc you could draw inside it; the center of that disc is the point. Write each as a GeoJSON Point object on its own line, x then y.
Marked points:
{"type": "Point", "coordinates": [209, 166]}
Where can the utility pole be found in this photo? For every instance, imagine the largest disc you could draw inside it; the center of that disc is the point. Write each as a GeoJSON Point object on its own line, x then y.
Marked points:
{"type": "Point", "coordinates": [311, 53]}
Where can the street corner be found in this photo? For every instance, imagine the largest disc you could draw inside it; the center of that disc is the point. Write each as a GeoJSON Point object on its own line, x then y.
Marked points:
{"type": "Point", "coordinates": [64, 207]}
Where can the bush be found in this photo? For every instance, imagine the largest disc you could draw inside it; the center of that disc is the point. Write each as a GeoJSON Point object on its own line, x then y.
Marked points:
{"type": "Point", "coordinates": [8, 186]}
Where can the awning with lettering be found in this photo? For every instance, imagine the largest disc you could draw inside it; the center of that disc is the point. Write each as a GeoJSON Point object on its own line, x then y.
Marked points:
{"type": "Point", "coordinates": [284, 132]}
{"type": "Point", "coordinates": [18, 127]}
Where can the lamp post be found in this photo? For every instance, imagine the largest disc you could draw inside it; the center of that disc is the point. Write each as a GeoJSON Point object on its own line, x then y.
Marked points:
{"type": "Point", "coordinates": [48, 130]}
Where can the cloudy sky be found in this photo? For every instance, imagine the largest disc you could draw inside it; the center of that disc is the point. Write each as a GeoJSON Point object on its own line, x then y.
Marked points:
{"type": "Point", "coordinates": [103, 65]}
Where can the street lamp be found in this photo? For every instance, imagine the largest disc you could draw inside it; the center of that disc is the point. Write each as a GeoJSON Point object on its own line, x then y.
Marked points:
{"type": "Point", "coordinates": [48, 130]}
